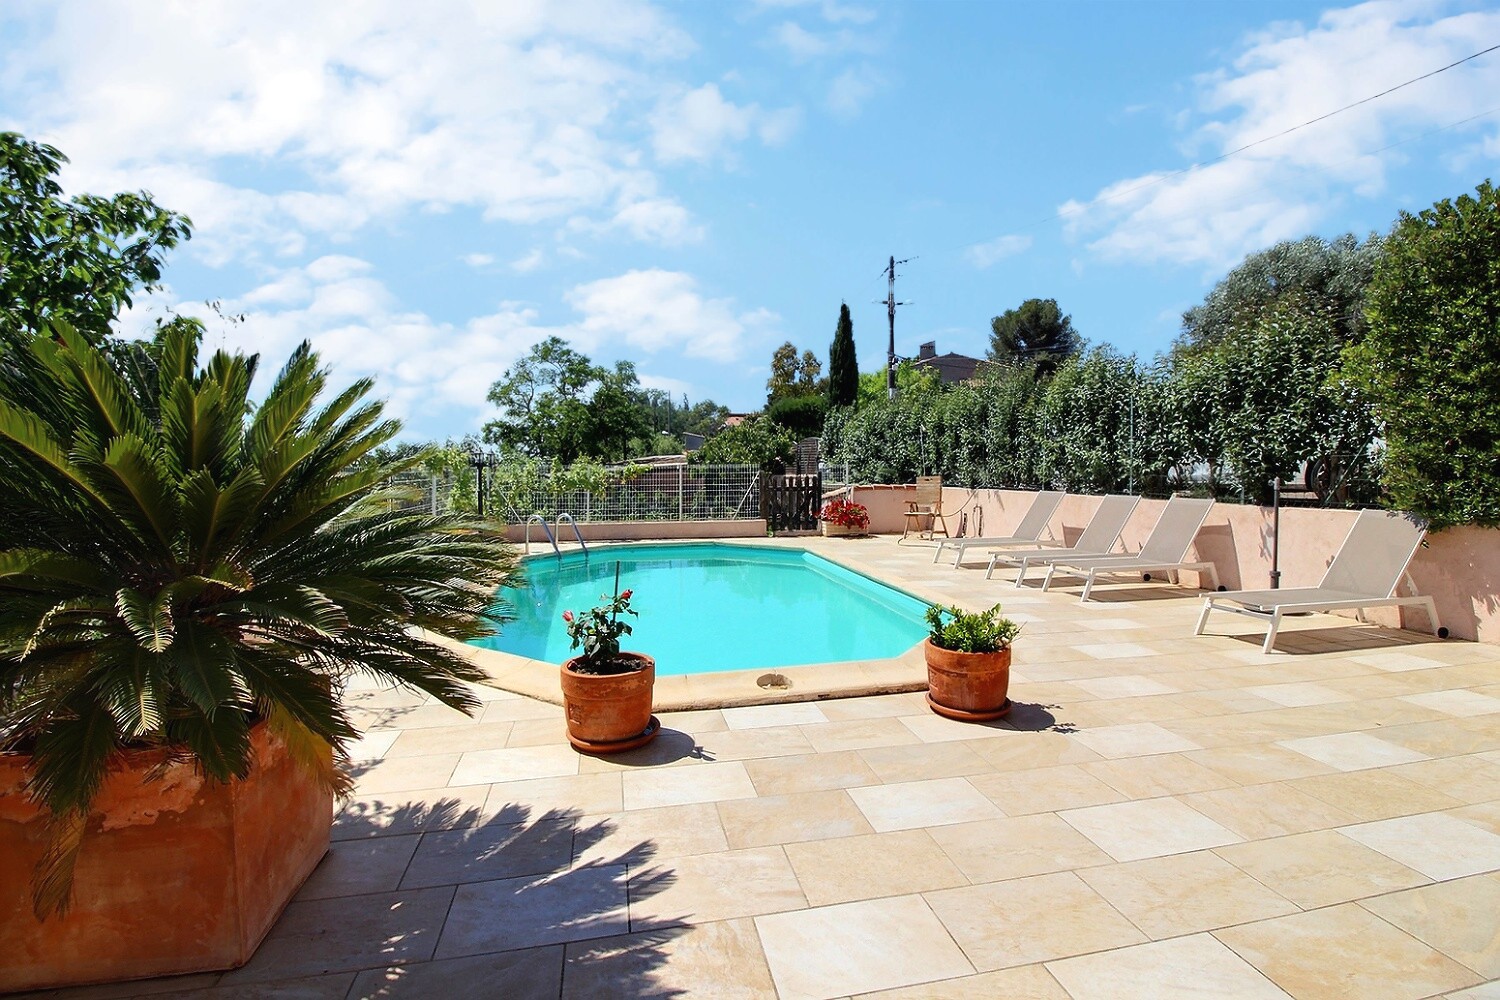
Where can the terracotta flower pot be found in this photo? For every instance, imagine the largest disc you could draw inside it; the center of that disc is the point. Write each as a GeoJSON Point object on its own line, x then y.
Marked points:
{"type": "Point", "coordinates": [970, 687]}
{"type": "Point", "coordinates": [180, 874]}
{"type": "Point", "coordinates": [608, 713]}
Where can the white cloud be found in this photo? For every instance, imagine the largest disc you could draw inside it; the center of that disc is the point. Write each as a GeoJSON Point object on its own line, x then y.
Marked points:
{"type": "Point", "coordinates": [699, 124]}
{"type": "Point", "coordinates": [478, 260]}
{"type": "Point", "coordinates": [983, 255]}
{"type": "Point", "coordinates": [673, 386]}
{"type": "Point", "coordinates": [851, 89]}
{"type": "Point", "coordinates": [1289, 74]}
{"type": "Point", "coordinates": [659, 220]}
{"type": "Point", "coordinates": [529, 261]}
{"type": "Point", "coordinates": [655, 309]}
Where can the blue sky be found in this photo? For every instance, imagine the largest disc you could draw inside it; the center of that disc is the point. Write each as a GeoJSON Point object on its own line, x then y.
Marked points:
{"type": "Point", "coordinates": [424, 191]}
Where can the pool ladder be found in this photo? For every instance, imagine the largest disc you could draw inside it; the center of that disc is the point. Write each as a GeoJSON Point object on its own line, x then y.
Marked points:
{"type": "Point", "coordinates": [547, 530]}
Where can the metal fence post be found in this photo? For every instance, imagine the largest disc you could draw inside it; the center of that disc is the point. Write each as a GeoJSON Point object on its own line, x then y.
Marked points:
{"type": "Point", "coordinates": [681, 470]}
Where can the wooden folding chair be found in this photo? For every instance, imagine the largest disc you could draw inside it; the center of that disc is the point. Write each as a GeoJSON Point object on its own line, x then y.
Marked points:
{"type": "Point", "coordinates": [929, 505]}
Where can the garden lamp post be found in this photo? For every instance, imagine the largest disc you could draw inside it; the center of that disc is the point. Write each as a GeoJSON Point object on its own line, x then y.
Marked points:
{"type": "Point", "coordinates": [479, 459]}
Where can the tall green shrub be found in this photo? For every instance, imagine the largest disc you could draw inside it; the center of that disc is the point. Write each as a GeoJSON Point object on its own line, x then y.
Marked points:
{"type": "Point", "coordinates": [843, 367]}
{"type": "Point", "coordinates": [1431, 360]}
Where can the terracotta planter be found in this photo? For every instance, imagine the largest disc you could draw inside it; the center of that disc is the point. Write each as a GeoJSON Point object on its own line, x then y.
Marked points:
{"type": "Point", "coordinates": [608, 713]}
{"type": "Point", "coordinates": [831, 530]}
{"type": "Point", "coordinates": [970, 687]}
{"type": "Point", "coordinates": [181, 874]}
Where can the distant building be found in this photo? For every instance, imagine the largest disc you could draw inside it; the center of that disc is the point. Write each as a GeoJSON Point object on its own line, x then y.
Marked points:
{"type": "Point", "coordinates": [950, 367]}
{"type": "Point", "coordinates": [734, 420]}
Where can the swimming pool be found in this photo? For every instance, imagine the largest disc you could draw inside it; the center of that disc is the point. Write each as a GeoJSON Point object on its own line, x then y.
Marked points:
{"type": "Point", "coordinates": [706, 607]}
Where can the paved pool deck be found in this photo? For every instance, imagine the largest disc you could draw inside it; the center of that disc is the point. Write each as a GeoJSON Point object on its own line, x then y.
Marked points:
{"type": "Point", "coordinates": [1161, 816]}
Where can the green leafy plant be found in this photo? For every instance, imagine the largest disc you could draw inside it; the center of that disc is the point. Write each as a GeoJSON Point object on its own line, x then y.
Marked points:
{"type": "Point", "coordinates": [179, 565]}
{"type": "Point", "coordinates": [970, 631]}
{"type": "Point", "coordinates": [598, 632]}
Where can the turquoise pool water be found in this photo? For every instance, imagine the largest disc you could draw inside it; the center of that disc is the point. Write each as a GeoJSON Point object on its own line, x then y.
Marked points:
{"type": "Point", "coordinates": [707, 607]}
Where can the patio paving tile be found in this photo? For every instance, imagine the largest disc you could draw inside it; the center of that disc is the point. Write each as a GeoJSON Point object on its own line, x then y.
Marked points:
{"type": "Point", "coordinates": [719, 959]}
{"type": "Point", "coordinates": [834, 951]}
{"type": "Point", "coordinates": [1469, 779]}
{"type": "Point", "coordinates": [1457, 918]}
{"type": "Point", "coordinates": [650, 835]}
{"type": "Point", "coordinates": [404, 773]}
{"type": "Point", "coordinates": [393, 814]}
{"type": "Point", "coordinates": [1157, 775]}
{"type": "Point", "coordinates": [1185, 893]}
{"type": "Point", "coordinates": [484, 767]}
{"type": "Point", "coordinates": [1016, 847]}
{"type": "Point", "coordinates": [451, 739]}
{"type": "Point", "coordinates": [1026, 982]}
{"type": "Point", "coordinates": [1133, 740]}
{"type": "Point", "coordinates": [759, 716]}
{"type": "Point", "coordinates": [1352, 751]}
{"type": "Point", "coordinates": [858, 734]}
{"type": "Point", "coordinates": [492, 851]}
{"type": "Point", "coordinates": [1044, 789]}
{"type": "Point", "coordinates": [1437, 845]}
{"type": "Point", "coordinates": [528, 974]}
{"type": "Point", "coordinates": [877, 864]}
{"type": "Point", "coordinates": [1376, 794]}
{"type": "Point", "coordinates": [1275, 809]}
{"type": "Point", "coordinates": [929, 727]}
{"type": "Point", "coordinates": [355, 867]}
{"type": "Point", "coordinates": [923, 761]}
{"type": "Point", "coordinates": [677, 786]}
{"type": "Point", "coordinates": [910, 804]}
{"type": "Point", "coordinates": [1148, 828]}
{"type": "Point", "coordinates": [763, 741]}
{"type": "Point", "coordinates": [708, 887]}
{"type": "Point", "coordinates": [568, 905]}
{"type": "Point", "coordinates": [1344, 953]}
{"type": "Point", "coordinates": [1320, 868]}
{"type": "Point", "coordinates": [348, 933]}
{"type": "Point", "coordinates": [810, 772]}
{"type": "Point", "coordinates": [1030, 920]}
{"type": "Point", "coordinates": [1181, 969]}
{"type": "Point", "coordinates": [789, 819]}
{"type": "Point", "coordinates": [1020, 751]}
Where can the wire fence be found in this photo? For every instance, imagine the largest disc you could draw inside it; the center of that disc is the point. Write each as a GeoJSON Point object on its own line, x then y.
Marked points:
{"type": "Point", "coordinates": [678, 492]}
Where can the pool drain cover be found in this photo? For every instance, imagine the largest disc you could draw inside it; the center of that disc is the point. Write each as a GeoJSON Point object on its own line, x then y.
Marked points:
{"type": "Point", "coordinates": [774, 682]}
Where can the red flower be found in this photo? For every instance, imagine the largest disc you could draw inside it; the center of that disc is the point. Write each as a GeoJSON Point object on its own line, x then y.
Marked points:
{"type": "Point", "coordinates": [625, 596]}
{"type": "Point", "coordinates": [567, 616]}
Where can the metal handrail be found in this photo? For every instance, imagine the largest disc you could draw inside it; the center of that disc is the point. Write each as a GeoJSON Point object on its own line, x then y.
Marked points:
{"type": "Point", "coordinates": [576, 533]}
{"type": "Point", "coordinates": [539, 519]}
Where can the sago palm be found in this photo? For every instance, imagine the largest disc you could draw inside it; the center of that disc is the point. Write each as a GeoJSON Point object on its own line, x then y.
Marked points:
{"type": "Point", "coordinates": [178, 564]}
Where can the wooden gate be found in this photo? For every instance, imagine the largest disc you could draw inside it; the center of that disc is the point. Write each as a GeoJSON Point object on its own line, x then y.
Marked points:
{"type": "Point", "coordinates": [791, 503]}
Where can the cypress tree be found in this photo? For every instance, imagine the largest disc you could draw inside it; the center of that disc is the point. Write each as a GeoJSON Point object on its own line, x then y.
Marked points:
{"type": "Point", "coordinates": [843, 369]}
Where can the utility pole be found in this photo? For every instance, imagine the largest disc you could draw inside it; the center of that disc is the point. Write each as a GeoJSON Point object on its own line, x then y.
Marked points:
{"type": "Point", "coordinates": [890, 311]}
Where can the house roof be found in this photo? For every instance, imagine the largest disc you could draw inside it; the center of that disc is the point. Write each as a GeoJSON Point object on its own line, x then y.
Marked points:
{"type": "Point", "coordinates": [952, 367]}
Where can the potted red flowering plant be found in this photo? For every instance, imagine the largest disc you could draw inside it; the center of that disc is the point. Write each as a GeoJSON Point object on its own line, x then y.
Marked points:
{"type": "Point", "coordinates": [843, 517]}
{"type": "Point", "coordinates": [607, 692]}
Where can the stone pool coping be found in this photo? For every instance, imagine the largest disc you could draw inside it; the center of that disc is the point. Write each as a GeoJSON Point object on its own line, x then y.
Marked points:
{"type": "Point", "coordinates": [735, 688]}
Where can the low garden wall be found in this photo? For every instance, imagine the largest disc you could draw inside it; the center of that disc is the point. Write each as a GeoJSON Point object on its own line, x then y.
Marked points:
{"type": "Point", "coordinates": [1459, 567]}
{"type": "Point", "coordinates": [632, 531]}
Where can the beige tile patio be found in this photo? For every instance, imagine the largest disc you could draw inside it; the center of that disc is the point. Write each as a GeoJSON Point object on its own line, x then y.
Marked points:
{"type": "Point", "coordinates": [789, 819]}
{"type": "Point", "coordinates": [1044, 789]}
{"type": "Point", "coordinates": [675, 786]}
{"type": "Point", "coordinates": [833, 951]}
{"type": "Point", "coordinates": [484, 767]}
{"type": "Point", "coordinates": [708, 887]}
{"type": "Point", "coordinates": [1436, 844]}
{"type": "Point", "coordinates": [858, 734]}
{"type": "Point", "coordinates": [1185, 968]}
{"type": "Point", "coordinates": [385, 814]}
{"type": "Point", "coordinates": [1375, 794]}
{"type": "Point", "coordinates": [1030, 920]}
{"type": "Point", "coordinates": [1016, 847]}
{"type": "Point", "coordinates": [1457, 918]}
{"type": "Point", "coordinates": [923, 761]}
{"type": "Point", "coordinates": [877, 864]}
{"type": "Point", "coordinates": [1026, 982]}
{"type": "Point", "coordinates": [643, 837]}
{"type": "Point", "coordinates": [1320, 868]}
{"type": "Point", "coordinates": [1470, 779]}
{"type": "Point", "coordinates": [1184, 893]}
{"type": "Point", "coordinates": [1123, 686]}
{"type": "Point", "coordinates": [353, 867]}
{"type": "Point", "coordinates": [1298, 694]}
{"type": "Point", "coordinates": [1352, 751]}
{"type": "Point", "coordinates": [929, 727]}
{"type": "Point", "coordinates": [758, 742]}
{"type": "Point", "coordinates": [810, 772]}
{"type": "Point", "coordinates": [528, 974]}
{"type": "Point", "coordinates": [1157, 775]}
{"type": "Point", "coordinates": [1148, 828]}
{"type": "Point", "coordinates": [1461, 703]}
{"type": "Point", "coordinates": [451, 739]}
{"type": "Point", "coordinates": [718, 959]}
{"type": "Point", "coordinates": [1133, 740]}
{"type": "Point", "coordinates": [1275, 809]}
{"type": "Point", "coordinates": [569, 905]}
{"type": "Point", "coordinates": [910, 804]}
{"type": "Point", "coordinates": [1344, 953]}
{"type": "Point", "coordinates": [1023, 750]}
{"type": "Point", "coordinates": [795, 713]}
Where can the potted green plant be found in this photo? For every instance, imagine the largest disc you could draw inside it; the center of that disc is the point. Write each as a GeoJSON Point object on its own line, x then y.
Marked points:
{"type": "Point", "coordinates": [968, 662]}
{"type": "Point", "coordinates": [187, 578]}
{"type": "Point", "coordinates": [842, 517]}
{"type": "Point", "coordinates": [606, 692]}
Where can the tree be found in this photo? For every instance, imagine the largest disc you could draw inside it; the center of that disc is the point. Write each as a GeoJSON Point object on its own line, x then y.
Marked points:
{"type": "Point", "coordinates": [843, 367]}
{"type": "Point", "coordinates": [802, 415]}
{"type": "Point", "coordinates": [1327, 277]}
{"type": "Point", "coordinates": [75, 260]}
{"type": "Point", "coordinates": [910, 377]}
{"type": "Point", "coordinates": [1431, 360]}
{"type": "Point", "coordinates": [791, 374]}
{"type": "Point", "coordinates": [179, 564]}
{"type": "Point", "coordinates": [1036, 331]}
{"type": "Point", "coordinates": [618, 415]}
{"type": "Point", "coordinates": [754, 442]}
{"type": "Point", "coordinates": [540, 399]}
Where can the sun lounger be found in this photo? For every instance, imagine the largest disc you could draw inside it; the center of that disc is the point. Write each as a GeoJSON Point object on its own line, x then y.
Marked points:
{"type": "Point", "coordinates": [1365, 573]}
{"type": "Point", "coordinates": [1097, 539]}
{"type": "Point", "coordinates": [1164, 551]}
{"type": "Point", "coordinates": [1028, 532]}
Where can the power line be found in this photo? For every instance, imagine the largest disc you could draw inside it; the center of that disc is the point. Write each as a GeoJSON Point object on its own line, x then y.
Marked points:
{"type": "Point", "coordinates": [1161, 178]}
